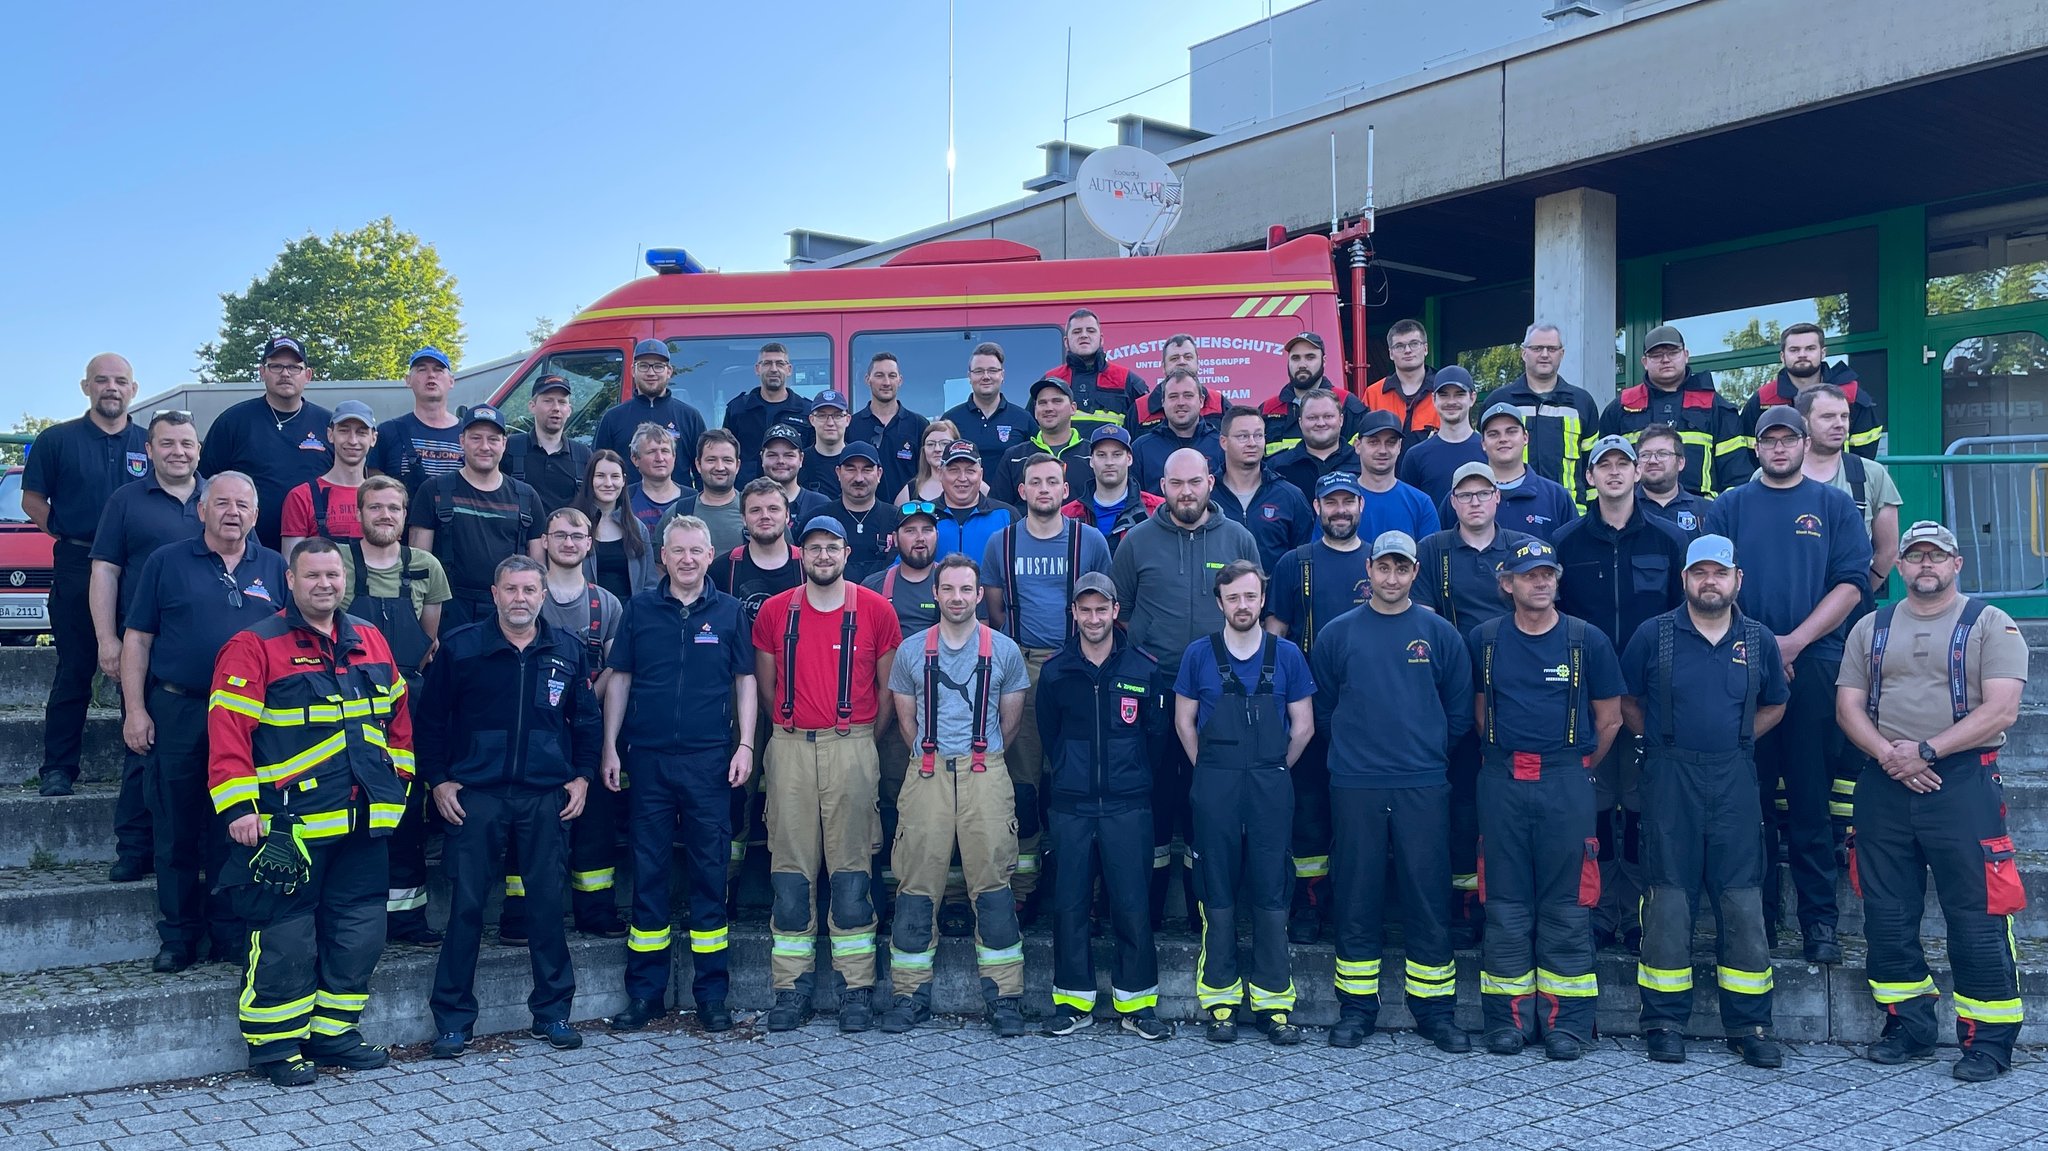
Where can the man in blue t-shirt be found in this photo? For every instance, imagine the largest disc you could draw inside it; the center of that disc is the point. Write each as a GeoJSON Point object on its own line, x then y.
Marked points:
{"type": "Point", "coordinates": [1312, 585]}
{"type": "Point", "coordinates": [1030, 569]}
{"type": "Point", "coordinates": [1243, 711]}
{"type": "Point", "coordinates": [1805, 556]}
{"type": "Point", "coordinates": [1395, 679]}
{"type": "Point", "coordinates": [1550, 691]}
{"type": "Point", "coordinates": [1430, 465]}
{"type": "Point", "coordinates": [426, 441]}
{"type": "Point", "coordinates": [1388, 504]}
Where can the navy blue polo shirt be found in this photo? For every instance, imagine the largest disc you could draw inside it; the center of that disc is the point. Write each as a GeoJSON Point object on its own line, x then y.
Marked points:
{"type": "Point", "coordinates": [1278, 516]}
{"type": "Point", "coordinates": [992, 436]}
{"type": "Point", "coordinates": [78, 467]}
{"type": "Point", "coordinates": [139, 519]}
{"type": "Point", "coordinates": [279, 452]}
{"type": "Point", "coordinates": [1200, 680]}
{"type": "Point", "coordinates": [1430, 465]}
{"type": "Point", "coordinates": [1531, 681]}
{"type": "Point", "coordinates": [683, 659]}
{"type": "Point", "coordinates": [897, 442]}
{"type": "Point", "coordinates": [1338, 581]}
{"type": "Point", "coordinates": [181, 598]}
{"type": "Point", "coordinates": [1714, 679]}
{"type": "Point", "coordinates": [1149, 453]}
{"type": "Point", "coordinates": [1460, 582]}
{"type": "Point", "coordinates": [1686, 511]}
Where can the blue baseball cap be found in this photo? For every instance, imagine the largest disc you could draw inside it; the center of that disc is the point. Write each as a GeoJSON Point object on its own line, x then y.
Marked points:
{"type": "Point", "coordinates": [1452, 376]}
{"type": "Point", "coordinates": [483, 414]}
{"type": "Point", "coordinates": [654, 348]}
{"type": "Point", "coordinates": [824, 524]}
{"type": "Point", "coordinates": [1376, 421]}
{"type": "Point", "coordinates": [830, 399]}
{"type": "Point", "coordinates": [859, 450]}
{"type": "Point", "coordinates": [1502, 408]}
{"type": "Point", "coordinates": [1336, 482]}
{"type": "Point", "coordinates": [430, 353]}
{"type": "Point", "coordinates": [1111, 432]}
{"type": "Point", "coordinates": [1530, 556]}
{"type": "Point", "coordinates": [1711, 549]}
{"type": "Point", "coordinates": [355, 410]}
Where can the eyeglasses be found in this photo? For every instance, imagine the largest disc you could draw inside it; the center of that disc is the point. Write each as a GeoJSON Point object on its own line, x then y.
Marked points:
{"type": "Point", "coordinates": [1778, 442]}
{"type": "Point", "coordinates": [829, 548]}
{"type": "Point", "coordinates": [569, 537]}
{"type": "Point", "coordinates": [1657, 454]}
{"type": "Point", "coordinates": [1478, 497]}
{"type": "Point", "coordinates": [285, 369]}
{"type": "Point", "coordinates": [1543, 349]}
{"type": "Point", "coordinates": [1247, 437]}
{"type": "Point", "coordinates": [984, 371]}
{"type": "Point", "coordinates": [234, 590]}
{"type": "Point", "coordinates": [918, 507]}
{"type": "Point", "coordinates": [1409, 345]}
{"type": "Point", "coordinates": [1926, 556]}
{"type": "Point", "coordinates": [1664, 354]}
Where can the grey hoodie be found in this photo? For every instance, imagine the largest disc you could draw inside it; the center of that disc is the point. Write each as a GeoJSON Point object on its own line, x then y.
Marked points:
{"type": "Point", "coordinates": [1165, 578]}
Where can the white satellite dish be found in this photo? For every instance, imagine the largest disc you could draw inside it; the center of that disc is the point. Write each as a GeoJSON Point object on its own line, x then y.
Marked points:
{"type": "Point", "coordinates": [1130, 196]}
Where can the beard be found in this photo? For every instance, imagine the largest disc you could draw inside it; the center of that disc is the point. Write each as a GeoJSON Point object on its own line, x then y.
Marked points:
{"type": "Point", "coordinates": [1189, 513]}
{"type": "Point", "coordinates": [826, 578]}
{"type": "Point", "coordinates": [1804, 372]}
{"type": "Point", "coordinates": [377, 536]}
{"type": "Point", "coordinates": [1709, 603]}
{"type": "Point", "coordinates": [1340, 529]}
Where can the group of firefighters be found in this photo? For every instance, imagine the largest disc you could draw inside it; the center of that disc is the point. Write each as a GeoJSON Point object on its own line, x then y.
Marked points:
{"type": "Point", "coordinates": [1329, 660]}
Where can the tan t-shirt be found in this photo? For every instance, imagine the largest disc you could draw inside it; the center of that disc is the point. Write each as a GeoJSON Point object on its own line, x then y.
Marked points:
{"type": "Point", "coordinates": [1915, 702]}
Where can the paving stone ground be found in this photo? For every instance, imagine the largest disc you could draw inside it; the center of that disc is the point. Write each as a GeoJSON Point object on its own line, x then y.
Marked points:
{"type": "Point", "coordinates": [953, 1086]}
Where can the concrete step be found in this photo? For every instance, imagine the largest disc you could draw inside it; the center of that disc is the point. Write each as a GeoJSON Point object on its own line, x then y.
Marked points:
{"type": "Point", "coordinates": [115, 1025]}
{"type": "Point", "coordinates": [21, 744]}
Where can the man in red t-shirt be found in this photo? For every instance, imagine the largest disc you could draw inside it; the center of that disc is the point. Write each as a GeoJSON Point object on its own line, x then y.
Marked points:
{"type": "Point", "coordinates": [326, 505]}
{"type": "Point", "coordinates": [822, 653]}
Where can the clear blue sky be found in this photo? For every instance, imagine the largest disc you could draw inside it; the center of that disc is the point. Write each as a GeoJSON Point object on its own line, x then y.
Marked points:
{"type": "Point", "coordinates": [160, 155]}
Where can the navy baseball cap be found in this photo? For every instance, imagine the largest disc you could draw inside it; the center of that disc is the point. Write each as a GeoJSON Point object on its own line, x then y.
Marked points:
{"type": "Point", "coordinates": [794, 437]}
{"type": "Point", "coordinates": [825, 524]}
{"type": "Point", "coordinates": [430, 353]}
{"type": "Point", "coordinates": [1336, 482]}
{"type": "Point", "coordinates": [1304, 338]}
{"type": "Point", "coordinates": [1503, 408]}
{"type": "Point", "coordinates": [276, 344]}
{"type": "Point", "coordinates": [1711, 549]}
{"type": "Point", "coordinates": [1044, 382]}
{"type": "Point", "coordinates": [552, 383]}
{"type": "Point", "coordinates": [1783, 416]}
{"type": "Point", "coordinates": [1530, 556]}
{"type": "Point", "coordinates": [1376, 421]}
{"type": "Point", "coordinates": [355, 410]}
{"type": "Point", "coordinates": [1452, 376]}
{"type": "Point", "coordinates": [859, 450]}
{"type": "Point", "coordinates": [654, 348]}
{"type": "Point", "coordinates": [830, 399]}
{"type": "Point", "coordinates": [483, 414]}
{"type": "Point", "coordinates": [960, 450]}
{"type": "Point", "coordinates": [1111, 432]}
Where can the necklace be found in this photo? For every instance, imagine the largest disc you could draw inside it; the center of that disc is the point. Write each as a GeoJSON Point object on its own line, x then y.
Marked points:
{"type": "Point", "coordinates": [860, 525]}
{"type": "Point", "coordinates": [281, 421]}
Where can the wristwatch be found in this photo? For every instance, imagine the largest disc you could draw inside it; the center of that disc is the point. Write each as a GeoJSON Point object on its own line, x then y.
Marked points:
{"type": "Point", "coordinates": [1927, 752]}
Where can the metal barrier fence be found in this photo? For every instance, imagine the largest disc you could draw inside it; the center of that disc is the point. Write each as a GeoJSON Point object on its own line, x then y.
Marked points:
{"type": "Point", "coordinates": [1994, 496]}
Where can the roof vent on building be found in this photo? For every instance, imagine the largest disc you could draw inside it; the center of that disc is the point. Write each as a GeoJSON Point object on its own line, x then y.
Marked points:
{"type": "Point", "coordinates": [1155, 136]}
{"type": "Point", "coordinates": [1572, 11]}
{"type": "Point", "coordinates": [1062, 159]}
{"type": "Point", "coordinates": [807, 247]}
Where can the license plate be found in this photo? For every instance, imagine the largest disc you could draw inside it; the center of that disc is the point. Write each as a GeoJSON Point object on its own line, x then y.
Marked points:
{"type": "Point", "coordinates": [21, 611]}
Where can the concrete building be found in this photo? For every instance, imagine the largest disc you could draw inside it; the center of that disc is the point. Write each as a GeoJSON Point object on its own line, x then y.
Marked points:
{"type": "Point", "coordinates": [1728, 166]}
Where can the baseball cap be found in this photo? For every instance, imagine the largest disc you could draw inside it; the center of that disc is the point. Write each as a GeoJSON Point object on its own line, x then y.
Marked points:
{"type": "Point", "coordinates": [1453, 376]}
{"type": "Point", "coordinates": [859, 450]}
{"type": "Point", "coordinates": [552, 383]}
{"type": "Point", "coordinates": [1377, 421]}
{"type": "Point", "coordinates": [1044, 382]}
{"type": "Point", "coordinates": [1929, 532]}
{"type": "Point", "coordinates": [1304, 338]}
{"type": "Point", "coordinates": [916, 509]}
{"type": "Point", "coordinates": [1111, 432]}
{"type": "Point", "coordinates": [1503, 408]}
{"type": "Point", "coordinates": [430, 353]}
{"type": "Point", "coordinates": [794, 437]}
{"type": "Point", "coordinates": [654, 348]}
{"type": "Point", "coordinates": [1473, 470]}
{"type": "Point", "coordinates": [483, 414]}
{"type": "Point", "coordinates": [1663, 335]}
{"type": "Point", "coordinates": [1097, 583]}
{"type": "Point", "coordinates": [1336, 482]}
{"type": "Point", "coordinates": [1606, 444]}
{"type": "Point", "coordinates": [960, 450]}
{"type": "Point", "coordinates": [355, 410]}
{"type": "Point", "coordinates": [1394, 543]}
{"type": "Point", "coordinates": [824, 524]}
{"type": "Point", "coordinates": [276, 344]}
{"type": "Point", "coordinates": [1530, 556]}
{"type": "Point", "coordinates": [1711, 549]}
{"type": "Point", "coordinates": [1782, 416]}
{"type": "Point", "coordinates": [830, 399]}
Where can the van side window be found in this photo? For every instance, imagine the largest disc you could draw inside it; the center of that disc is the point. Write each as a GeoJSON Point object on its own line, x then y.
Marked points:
{"type": "Point", "coordinates": [596, 379]}
{"type": "Point", "coordinates": [934, 362]}
{"type": "Point", "coordinates": [711, 370]}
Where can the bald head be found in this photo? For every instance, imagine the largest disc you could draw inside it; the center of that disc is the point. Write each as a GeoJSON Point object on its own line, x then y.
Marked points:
{"type": "Point", "coordinates": [109, 386]}
{"type": "Point", "coordinates": [1186, 485]}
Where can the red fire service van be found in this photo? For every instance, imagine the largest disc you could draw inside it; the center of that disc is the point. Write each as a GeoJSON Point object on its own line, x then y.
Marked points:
{"type": "Point", "coordinates": [930, 305]}
{"type": "Point", "coordinates": [25, 568]}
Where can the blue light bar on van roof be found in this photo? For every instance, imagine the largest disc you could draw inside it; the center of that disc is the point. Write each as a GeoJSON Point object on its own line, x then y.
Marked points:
{"type": "Point", "coordinates": [671, 261]}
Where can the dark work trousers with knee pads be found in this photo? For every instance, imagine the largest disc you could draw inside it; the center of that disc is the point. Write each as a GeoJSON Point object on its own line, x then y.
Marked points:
{"type": "Point", "coordinates": [1539, 878]}
{"type": "Point", "coordinates": [1801, 750]}
{"type": "Point", "coordinates": [678, 803]}
{"type": "Point", "coordinates": [1618, 824]}
{"type": "Point", "coordinates": [1311, 836]}
{"type": "Point", "coordinates": [1118, 843]}
{"type": "Point", "coordinates": [1366, 822]}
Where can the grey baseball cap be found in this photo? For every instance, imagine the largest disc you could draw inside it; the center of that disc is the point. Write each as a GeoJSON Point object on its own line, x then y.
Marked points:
{"type": "Point", "coordinates": [355, 410]}
{"type": "Point", "coordinates": [1394, 543]}
{"type": "Point", "coordinates": [1929, 532]}
{"type": "Point", "coordinates": [1097, 583]}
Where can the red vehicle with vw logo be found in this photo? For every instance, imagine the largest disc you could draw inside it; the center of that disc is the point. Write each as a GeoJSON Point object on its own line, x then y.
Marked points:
{"type": "Point", "coordinates": [26, 568]}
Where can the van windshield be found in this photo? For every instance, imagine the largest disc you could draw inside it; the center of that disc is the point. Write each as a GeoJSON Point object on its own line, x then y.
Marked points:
{"type": "Point", "coordinates": [596, 378]}
{"type": "Point", "coordinates": [10, 499]}
{"type": "Point", "coordinates": [934, 362]}
{"type": "Point", "coordinates": [712, 370]}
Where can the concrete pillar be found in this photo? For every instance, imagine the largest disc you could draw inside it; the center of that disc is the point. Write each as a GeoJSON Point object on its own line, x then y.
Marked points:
{"type": "Point", "coordinates": [1575, 283]}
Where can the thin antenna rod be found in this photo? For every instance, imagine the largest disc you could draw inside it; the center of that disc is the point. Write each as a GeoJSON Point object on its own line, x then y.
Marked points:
{"type": "Point", "coordinates": [1334, 212]}
{"type": "Point", "coordinates": [1067, 102]}
{"type": "Point", "coordinates": [1368, 173]}
{"type": "Point", "coordinates": [950, 155]}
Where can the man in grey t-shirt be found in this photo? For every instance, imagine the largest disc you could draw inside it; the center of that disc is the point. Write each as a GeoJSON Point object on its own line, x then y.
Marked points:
{"type": "Point", "coordinates": [959, 696]}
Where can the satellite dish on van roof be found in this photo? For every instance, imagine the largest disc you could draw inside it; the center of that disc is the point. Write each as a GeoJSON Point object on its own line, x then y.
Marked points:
{"type": "Point", "coordinates": [1130, 196]}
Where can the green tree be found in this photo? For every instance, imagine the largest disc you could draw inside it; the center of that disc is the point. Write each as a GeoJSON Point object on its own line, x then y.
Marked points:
{"type": "Point", "coordinates": [1492, 368]}
{"type": "Point", "coordinates": [362, 301]}
{"type": "Point", "coordinates": [12, 455]}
